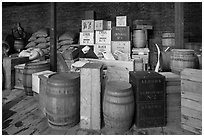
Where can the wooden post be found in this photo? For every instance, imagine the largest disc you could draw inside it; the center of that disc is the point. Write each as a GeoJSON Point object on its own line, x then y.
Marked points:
{"type": "Point", "coordinates": [53, 47]}
{"type": "Point", "coordinates": [90, 96]}
{"type": "Point", "coordinates": [179, 25]}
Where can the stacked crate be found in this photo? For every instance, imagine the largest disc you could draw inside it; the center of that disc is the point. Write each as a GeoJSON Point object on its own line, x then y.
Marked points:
{"type": "Point", "coordinates": [120, 39]}
{"type": "Point", "coordinates": [173, 91]}
{"type": "Point", "coordinates": [150, 98]}
{"type": "Point", "coordinates": [103, 37]}
{"type": "Point", "coordinates": [96, 34]}
{"type": "Point", "coordinates": [143, 52]}
{"type": "Point", "coordinates": [191, 100]}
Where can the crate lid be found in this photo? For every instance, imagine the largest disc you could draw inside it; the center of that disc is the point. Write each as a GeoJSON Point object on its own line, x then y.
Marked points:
{"type": "Point", "coordinates": [146, 74]}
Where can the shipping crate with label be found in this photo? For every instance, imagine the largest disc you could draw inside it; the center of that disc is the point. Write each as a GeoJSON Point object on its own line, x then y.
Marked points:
{"type": "Point", "coordinates": [87, 25]}
{"type": "Point", "coordinates": [120, 34]}
{"type": "Point", "coordinates": [103, 37]}
{"type": "Point", "coordinates": [86, 38]}
{"type": "Point", "coordinates": [99, 48]}
{"type": "Point", "coordinates": [150, 98]}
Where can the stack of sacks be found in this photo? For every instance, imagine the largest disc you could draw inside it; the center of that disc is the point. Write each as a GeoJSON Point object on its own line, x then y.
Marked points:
{"type": "Point", "coordinates": [64, 45]}
{"type": "Point", "coordinates": [40, 39]}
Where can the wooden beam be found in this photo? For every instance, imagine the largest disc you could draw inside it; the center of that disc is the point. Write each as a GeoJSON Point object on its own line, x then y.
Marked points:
{"type": "Point", "coordinates": [53, 47]}
{"type": "Point", "coordinates": [179, 25]}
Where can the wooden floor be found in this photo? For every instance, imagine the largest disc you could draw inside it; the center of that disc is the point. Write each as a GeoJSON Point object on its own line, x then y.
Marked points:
{"type": "Point", "coordinates": [21, 116]}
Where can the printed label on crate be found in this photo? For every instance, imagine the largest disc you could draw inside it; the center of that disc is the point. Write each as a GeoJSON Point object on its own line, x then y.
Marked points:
{"type": "Point", "coordinates": [121, 21]}
{"type": "Point", "coordinates": [123, 46]}
{"type": "Point", "coordinates": [86, 38]}
{"type": "Point", "coordinates": [120, 34]}
{"type": "Point", "coordinates": [87, 25]}
{"type": "Point", "coordinates": [99, 48]}
{"type": "Point", "coordinates": [103, 37]}
{"type": "Point", "coordinates": [100, 25]}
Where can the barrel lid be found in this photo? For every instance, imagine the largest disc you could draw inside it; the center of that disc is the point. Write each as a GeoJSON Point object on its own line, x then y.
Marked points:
{"type": "Point", "coordinates": [182, 50]}
{"type": "Point", "coordinates": [118, 85]}
{"type": "Point", "coordinates": [63, 77]}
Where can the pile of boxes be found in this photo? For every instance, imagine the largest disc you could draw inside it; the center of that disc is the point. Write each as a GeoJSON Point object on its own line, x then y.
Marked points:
{"type": "Point", "coordinates": [99, 35]}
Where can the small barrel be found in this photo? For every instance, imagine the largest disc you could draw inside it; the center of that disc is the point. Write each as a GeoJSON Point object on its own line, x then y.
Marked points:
{"type": "Point", "coordinates": [118, 106]}
{"type": "Point", "coordinates": [168, 39]}
{"type": "Point", "coordinates": [63, 100]}
{"type": "Point", "coordinates": [18, 45]}
{"type": "Point", "coordinates": [29, 69]}
{"type": "Point", "coordinates": [182, 58]}
{"type": "Point", "coordinates": [139, 38]}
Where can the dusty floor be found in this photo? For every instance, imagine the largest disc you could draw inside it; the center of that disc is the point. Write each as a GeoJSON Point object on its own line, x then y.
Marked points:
{"type": "Point", "coordinates": [21, 116]}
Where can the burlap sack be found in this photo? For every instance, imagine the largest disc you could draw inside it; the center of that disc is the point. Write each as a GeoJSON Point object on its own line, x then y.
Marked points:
{"type": "Point", "coordinates": [41, 33]}
{"type": "Point", "coordinates": [41, 40]}
{"type": "Point", "coordinates": [30, 44]}
{"type": "Point", "coordinates": [67, 36]}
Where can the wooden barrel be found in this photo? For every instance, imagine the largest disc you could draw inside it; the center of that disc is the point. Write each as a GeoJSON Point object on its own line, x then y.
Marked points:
{"type": "Point", "coordinates": [139, 38]}
{"type": "Point", "coordinates": [43, 88]}
{"type": "Point", "coordinates": [18, 45]}
{"type": "Point", "coordinates": [118, 106]}
{"type": "Point", "coordinates": [182, 58]}
{"type": "Point", "coordinates": [29, 69]}
{"type": "Point", "coordinates": [168, 39]}
{"type": "Point", "coordinates": [63, 100]}
{"type": "Point", "coordinates": [165, 61]}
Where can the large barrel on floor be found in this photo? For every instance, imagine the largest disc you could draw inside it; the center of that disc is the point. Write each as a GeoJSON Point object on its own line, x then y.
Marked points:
{"type": "Point", "coordinates": [118, 106]}
{"type": "Point", "coordinates": [29, 69]}
{"type": "Point", "coordinates": [63, 100]}
{"type": "Point", "coordinates": [182, 58]}
{"type": "Point", "coordinates": [139, 38]}
{"type": "Point", "coordinates": [168, 39]}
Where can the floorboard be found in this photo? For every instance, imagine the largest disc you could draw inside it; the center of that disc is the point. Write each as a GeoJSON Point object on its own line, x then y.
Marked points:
{"type": "Point", "coordinates": [21, 116]}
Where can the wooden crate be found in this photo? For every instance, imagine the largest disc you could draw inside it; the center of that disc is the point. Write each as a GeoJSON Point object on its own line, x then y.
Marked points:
{"type": "Point", "coordinates": [191, 100]}
{"type": "Point", "coordinates": [119, 69]}
{"type": "Point", "coordinates": [90, 96]}
{"type": "Point", "coordinates": [8, 69]}
{"type": "Point", "coordinates": [173, 90]}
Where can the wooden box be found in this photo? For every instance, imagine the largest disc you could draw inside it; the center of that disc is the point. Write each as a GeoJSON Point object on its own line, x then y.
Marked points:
{"type": "Point", "coordinates": [191, 100]}
{"type": "Point", "coordinates": [36, 80]}
{"type": "Point", "coordinates": [121, 21]}
{"type": "Point", "coordinates": [99, 48]}
{"type": "Point", "coordinates": [9, 71]}
{"type": "Point", "coordinates": [173, 90]}
{"type": "Point", "coordinates": [123, 46]}
{"type": "Point", "coordinates": [90, 96]}
{"type": "Point", "coordinates": [100, 24]}
{"type": "Point", "coordinates": [103, 37]}
{"type": "Point", "coordinates": [87, 25]}
{"type": "Point", "coordinates": [86, 38]}
{"type": "Point", "coordinates": [89, 15]}
{"type": "Point", "coordinates": [120, 34]}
